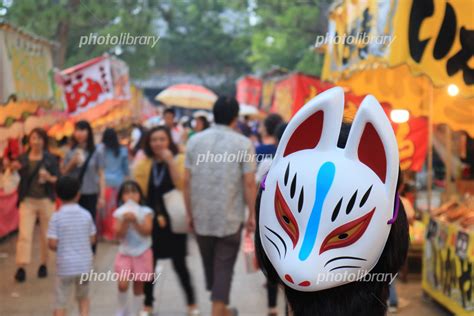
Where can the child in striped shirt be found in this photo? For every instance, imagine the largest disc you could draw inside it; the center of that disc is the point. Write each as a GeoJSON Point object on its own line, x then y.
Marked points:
{"type": "Point", "coordinates": [71, 232]}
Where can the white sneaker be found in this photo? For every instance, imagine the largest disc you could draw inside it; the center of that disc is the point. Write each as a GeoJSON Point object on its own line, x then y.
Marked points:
{"type": "Point", "coordinates": [159, 269]}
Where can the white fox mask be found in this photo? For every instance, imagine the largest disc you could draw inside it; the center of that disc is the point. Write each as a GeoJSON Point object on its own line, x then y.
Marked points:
{"type": "Point", "coordinates": [325, 211]}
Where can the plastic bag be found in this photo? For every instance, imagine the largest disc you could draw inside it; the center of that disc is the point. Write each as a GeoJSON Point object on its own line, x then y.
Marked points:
{"type": "Point", "coordinates": [9, 181]}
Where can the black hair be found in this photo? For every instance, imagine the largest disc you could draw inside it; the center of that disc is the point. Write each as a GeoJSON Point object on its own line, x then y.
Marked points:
{"type": "Point", "coordinates": [185, 122]}
{"type": "Point", "coordinates": [355, 298]}
{"type": "Point", "coordinates": [84, 126]}
{"type": "Point", "coordinates": [279, 131]}
{"type": "Point", "coordinates": [271, 122]}
{"type": "Point", "coordinates": [166, 130]}
{"type": "Point", "coordinates": [170, 111]}
{"type": "Point", "coordinates": [127, 186]}
{"type": "Point", "coordinates": [41, 134]}
{"type": "Point", "coordinates": [225, 110]}
{"type": "Point", "coordinates": [110, 140]}
{"type": "Point", "coordinates": [63, 141]}
{"type": "Point", "coordinates": [401, 180]}
{"type": "Point", "coordinates": [67, 188]}
{"type": "Point", "coordinates": [139, 144]}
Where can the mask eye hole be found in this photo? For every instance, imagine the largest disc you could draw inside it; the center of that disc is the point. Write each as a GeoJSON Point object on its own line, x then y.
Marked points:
{"type": "Point", "coordinates": [285, 217]}
{"type": "Point", "coordinates": [347, 234]}
{"type": "Point", "coordinates": [343, 236]}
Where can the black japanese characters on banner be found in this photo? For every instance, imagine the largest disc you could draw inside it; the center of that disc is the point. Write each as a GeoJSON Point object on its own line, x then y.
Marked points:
{"type": "Point", "coordinates": [422, 10]}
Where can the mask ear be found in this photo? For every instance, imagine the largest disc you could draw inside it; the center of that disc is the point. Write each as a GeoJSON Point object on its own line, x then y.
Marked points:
{"type": "Point", "coordinates": [316, 124]}
{"type": "Point", "coordinates": [372, 141]}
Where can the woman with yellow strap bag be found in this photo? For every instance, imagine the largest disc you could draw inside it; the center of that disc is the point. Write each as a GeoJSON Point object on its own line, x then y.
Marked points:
{"type": "Point", "coordinates": [159, 174]}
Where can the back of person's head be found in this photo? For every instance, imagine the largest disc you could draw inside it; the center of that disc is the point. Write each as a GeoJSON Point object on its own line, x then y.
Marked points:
{"type": "Point", "coordinates": [271, 122]}
{"type": "Point", "coordinates": [67, 188]}
{"type": "Point", "coordinates": [328, 206]}
{"type": "Point", "coordinates": [225, 110]}
{"type": "Point", "coordinates": [280, 130]}
{"type": "Point", "coordinates": [111, 141]}
{"type": "Point", "coordinates": [137, 137]}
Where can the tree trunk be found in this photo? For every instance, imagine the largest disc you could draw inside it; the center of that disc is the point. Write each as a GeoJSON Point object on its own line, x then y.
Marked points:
{"type": "Point", "coordinates": [62, 36]}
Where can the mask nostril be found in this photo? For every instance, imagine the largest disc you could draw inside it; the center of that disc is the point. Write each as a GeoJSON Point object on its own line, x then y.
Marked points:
{"type": "Point", "coordinates": [289, 278]}
{"type": "Point", "coordinates": [305, 283]}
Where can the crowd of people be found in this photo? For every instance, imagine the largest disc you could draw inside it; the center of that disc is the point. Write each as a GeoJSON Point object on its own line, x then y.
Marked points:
{"type": "Point", "coordinates": [119, 189]}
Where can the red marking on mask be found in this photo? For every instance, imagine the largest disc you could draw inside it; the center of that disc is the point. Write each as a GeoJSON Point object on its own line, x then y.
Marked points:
{"type": "Point", "coordinates": [289, 278]}
{"type": "Point", "coordinates": [285, 217]}
{"type": "Point", "coordinates": [347, 234]}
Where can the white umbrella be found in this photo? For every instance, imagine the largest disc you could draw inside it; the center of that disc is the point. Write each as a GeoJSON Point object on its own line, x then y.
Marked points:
{"type": "Point", "coordinates": [249, 110]}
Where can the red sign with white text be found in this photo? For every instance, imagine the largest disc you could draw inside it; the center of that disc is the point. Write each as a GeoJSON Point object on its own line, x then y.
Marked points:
{"type": "Point", "coordinates": [87, 85]}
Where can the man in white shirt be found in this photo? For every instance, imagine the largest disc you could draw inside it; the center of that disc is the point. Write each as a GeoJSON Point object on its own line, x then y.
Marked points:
{"type": "Point", "coordinates": [216, 193]}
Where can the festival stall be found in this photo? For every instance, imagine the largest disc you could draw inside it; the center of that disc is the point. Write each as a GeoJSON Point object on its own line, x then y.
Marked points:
{"type": "Point", "coordinates": [258, 91]}
{"type": "Point", "coordinates": [416, 55]}
{"type": "Point", "coordinates": [27, 90]}
{"type": "Point", "coordinates": [290, 92]}
{"type": "Point", "coordinates": [249, 90]}
{"type": "Point", "coordinates": [270, 80]}
{"type": "Point", "coordinates": [98, 91]}
{"type": "Point", "coordinates": [27, 100]}
{"type": "Point", "coordinates": [448, 256]}
{"type": "Point", "coordinates": [296, 89]}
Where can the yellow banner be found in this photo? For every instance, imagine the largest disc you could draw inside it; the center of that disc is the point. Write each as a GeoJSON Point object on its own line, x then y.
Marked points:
{"type": "Point", "coordinates": [433, 37]}
{"type": "Point", "coordinates": [401, 50]}
{"type": "Point", "coordinates": [412, 93]}
{"type": "Point", "coordinates": [26, 66]}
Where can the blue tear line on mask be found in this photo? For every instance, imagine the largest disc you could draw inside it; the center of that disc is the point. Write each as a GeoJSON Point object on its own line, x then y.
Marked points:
{"type": "Point", "coordinates": [324, 181]}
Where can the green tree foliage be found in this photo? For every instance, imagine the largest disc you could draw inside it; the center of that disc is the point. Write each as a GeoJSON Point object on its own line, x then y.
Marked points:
{"type": "Point", "coordinates": [197, 36]}
{"type": "Point", "coordinates": [285, 32]}
{"type": "Point", "coordinates": [203, 32]}
{"type": "Point", "coordinates": [65, 21]}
